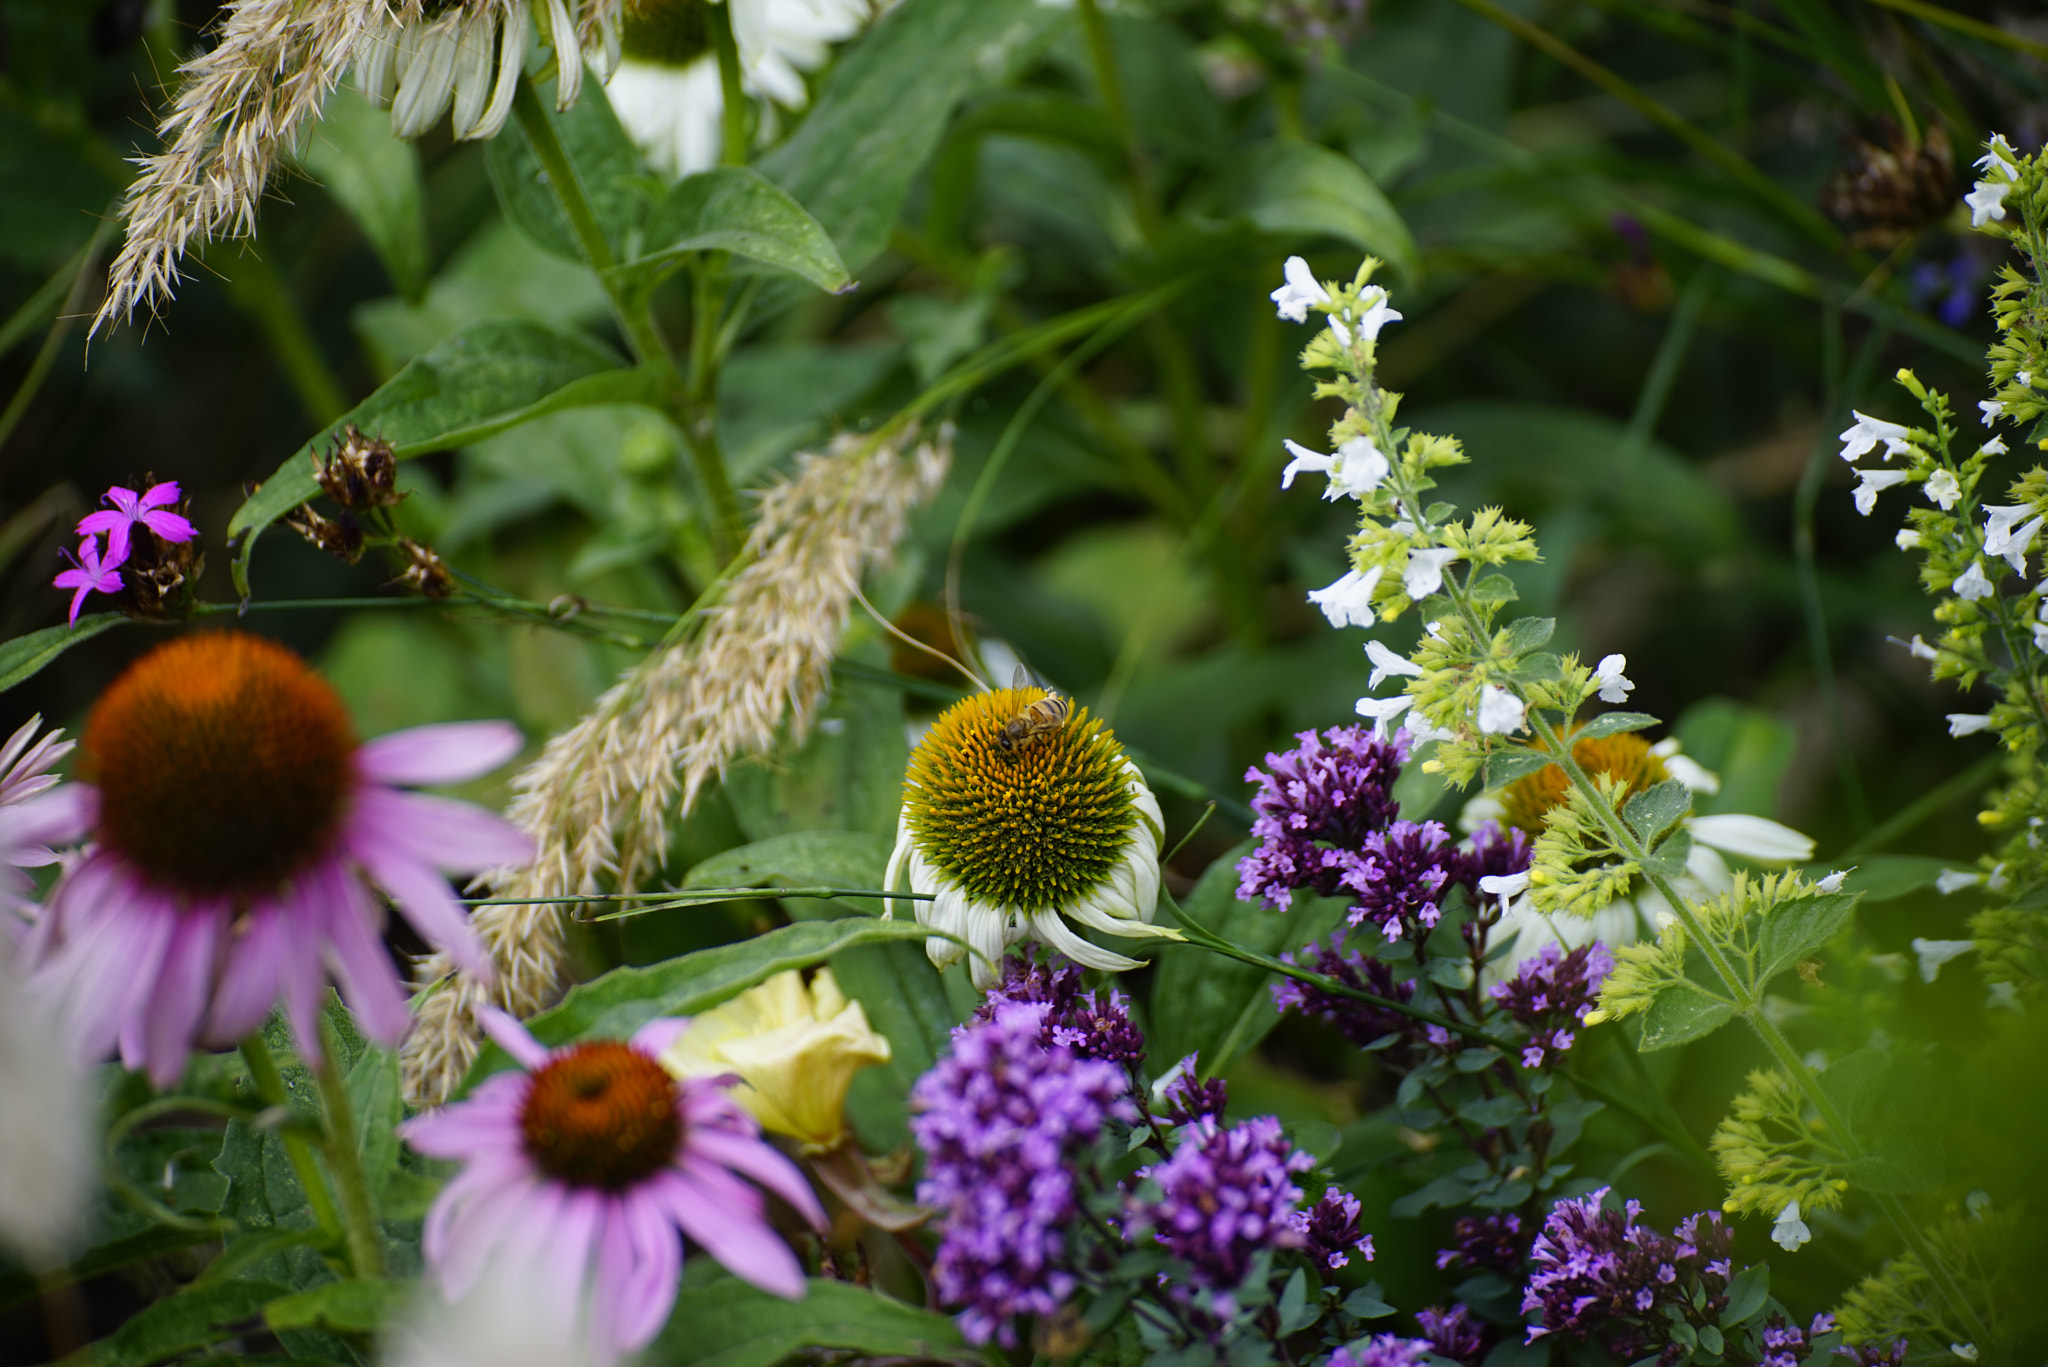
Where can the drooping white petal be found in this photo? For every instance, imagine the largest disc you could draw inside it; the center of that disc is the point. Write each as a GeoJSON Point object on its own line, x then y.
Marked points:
{"type": "Point", "coordinates": [1866, 432]}
{"type": "Point", "coordinates": [1385, 662]}
{"type": "Point", "coordinates": [1424, 574]}
{"type": "Point", "coordinates": [1383, 710]}
{"type": "Point", "coordinates": [1874, 483]}
{"type": "Point", "coordinates": [1790, 1231]}
{"type": "Point", "coordinates": [1972, 583]}
{"type": "Point", "coordinates": [1752, 837]}
{"type": "Point", "coordinates": [1348, 602]}
{"type": "Point", "coordinates": [1301, 290]}
{"type": "Point", "coordinates": [1613, 684]}
{"type": "Point", "coordinates": [1934, 953]}
{"type": "Point", "coordinates": [1987, 201]}
{"type": "Point", "coordinates": [1501, 713]}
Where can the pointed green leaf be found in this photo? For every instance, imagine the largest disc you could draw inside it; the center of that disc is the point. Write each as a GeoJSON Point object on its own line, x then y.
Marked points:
{"type": "Point", "coordinates": [1613, 724]}
{"type": "Point", "coordinates": [727, 1323]}
{"type": "Point", "coordinates": [358, 1305]}
{"type": "Point", "coordinates": [736, 209]}
{"type": "Point", "coordinates": [1656, 810]}
{"type": "Point", "coordinates": [1683, 1011]}
{"type": "Point", "coordinates": [24, 656]}
{"type": "Point", "coordinates": [1747, 1294]}
{"type": "Point", "coordinates": [840, 859]}
{"type": "Point", "coordinates": [1794, 930]}
{"type": "Point", "coordinates": [1303, 189]}
{"type": "Point", "coordinates": [1505, 766]}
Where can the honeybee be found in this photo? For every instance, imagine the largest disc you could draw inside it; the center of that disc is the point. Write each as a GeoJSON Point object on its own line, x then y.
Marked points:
{"type": "Point", "coordinates": [1036, 722]}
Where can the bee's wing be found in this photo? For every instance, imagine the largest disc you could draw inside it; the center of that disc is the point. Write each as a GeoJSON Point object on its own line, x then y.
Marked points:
{"type": "Point", "coordinates": [1021, 679]}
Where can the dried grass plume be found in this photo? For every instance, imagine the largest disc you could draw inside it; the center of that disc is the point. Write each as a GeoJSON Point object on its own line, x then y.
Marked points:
{"type": "Point", "coordinates": [597, 801]}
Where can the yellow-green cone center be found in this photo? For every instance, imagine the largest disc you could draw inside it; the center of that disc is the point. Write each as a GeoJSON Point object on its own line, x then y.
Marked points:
{"type": "Point", "coordinates": [666, 32]}
{"type": "Point", "coordinates": [1037, 825]}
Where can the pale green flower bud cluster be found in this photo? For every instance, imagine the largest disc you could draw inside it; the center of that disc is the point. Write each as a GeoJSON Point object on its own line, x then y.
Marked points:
{"type": "Point", "coordinates": [1773, 1151]}
{"type": "Point", "coordinates": [1902, 1301]}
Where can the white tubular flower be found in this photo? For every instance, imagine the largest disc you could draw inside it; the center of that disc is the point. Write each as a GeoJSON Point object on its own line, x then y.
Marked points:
{"type": "Point", "coordinates": [1991, 409]}
{"type": "Point", "coordinates": [1942, 488]}
{"type": "Point", "coordinates": [1987, 201]}
{"type": "Point", "coordinates": [1694, 775]}
{"type": "Point", "coordinates": [1790, 1232]}
{"type": "Point", "coordinates": [2006, 535]}
{"type": "Point", "coordinates": [1377, 313]}
{"type": "Point", "coordinates": [1962, 724]}
{"type": "Point", "coordinates": [1301, 291]}
{"type": "Point", "coordinates": [47, 1143]}
{"type": "Point", "coordinates": [1383, 710]}
{"type": "Point", "coordinates": [1355, 470]}
{"type": "Point", "coordinates": [1920, 650]}
{"type": "Point", "coordinates": [1908, 539]}
{"type": "Point", "coordinates": [1934, 953]}
{"type": "Point", "coordinates": [1342, 333]}
{"type": "Point", "coordinates": [1972, 583]}
{"type": "Point", "coordinates": [1968, 1351]}
{"type": "Point", "coordinates": [2025, 377]}
{"type": "Point", "coordinates": [1866, 432]}
{"type": "Point", "coordinates": [1506, 886]}
{"type": "Point", "coordinates": [1998, 160]}
{"type": "Point", "coordinates": [1752, 837]}
{"type": "Point", "coordinates": [1955, 880]}
{"type": "Point", "coordinates": [666, 90]}
{"type": "Point", "coordinates": [1016, 834]}
{"type": "Point", "coordinates": [1348, 602]}
{"type": "Point", "coordinates": [1385, 662]}
{"type": "Point", "coordinates": [795, 1047]}
{"type": "Point", "coordinates": [1995, 447]}
{"type": "Point", "coordinates": [1425, 572]}
{"type": "Point", "coordinates": [1874, 483]}
{"type": "Point", "coordinates": [2040, 630]}
{"type": "Point", "coordinates": [1614, 686]}
{"type": "Point", "coordinates": [1501, 713]}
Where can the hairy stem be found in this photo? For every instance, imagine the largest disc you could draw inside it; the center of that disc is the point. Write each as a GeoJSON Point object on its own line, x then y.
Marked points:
{"type": "Point", "coordinates": [359, 1212]}
{"type": "Point", "coordinates": [298, 1149]}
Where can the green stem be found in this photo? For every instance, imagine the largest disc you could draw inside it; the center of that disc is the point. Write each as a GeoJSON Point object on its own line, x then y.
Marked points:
{"type": "Point", "coordinates": [46, 355]}
{"type": "Point", "coordinates": [255, 285]}
{"type": "Point", "coordinates": [1102, 56]}
{"type": "Point", "coordinates": [732, 123]}
{"type": "Point", "coordinates": [270, 1086]}
{"type": "Point", "coordinates": [344, 1161]}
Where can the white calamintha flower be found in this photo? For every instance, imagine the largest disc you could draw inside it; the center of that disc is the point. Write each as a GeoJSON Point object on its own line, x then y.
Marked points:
{"type": "Point", "coordinates": [1962, 724]}
{"type": "Point", "coordinates": [1348, 602]}
{"type": "Point", "coordinates": [1383, 710]}
{"type": "Point", "coordinates": [1942, 488]}
{"type": "Point", "coordinates": [1874, 483]}
{"type": "Point", "coordinates": [1919, 649]}
{"type": "Point", "coordinates": [1934, 953]}
{"type": "Point", "coordinates": [1995, 447]}
{"type": "Point", "coordinates": [1301, 291]}
{"type": "Point", "coordinates": [1385, 662]}
{"type": "Point", "coordinates": [1833, 882]}
{"type": "Point", "coordinates": [1987, 201]}
{"type": "Point", "coordinates": [1506, 886]}
{"type": "Point", "coordinates": [1614, 686]}
{"type": "Point", "coordinates": [1998, 160]}
{"type": "Point", "coordinates": [1501, 713]}
{"type": "Point", "coordinates": [1991, 409]}
{"type": "Point", "coordinates": [2006, 535]}
{"type": "Point", "coordinates": [1355, 470]}
{"type": "Point", "coordinates": [1907, 539]}
{"type": "Point", "coordinates": [1972, 583]}
{"type": "Point", "coordinates": [1425, 572]}
{"type": "Point", "coordinates": [1864, 435]}
{"type": "Point", "coordinates": [1378, 313]}
{"type": "Point", "coordinates": [1790, 1232]}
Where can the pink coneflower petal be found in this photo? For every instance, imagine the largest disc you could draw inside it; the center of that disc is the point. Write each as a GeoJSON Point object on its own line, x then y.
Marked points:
{"type": "Point", "coordinates": [639, 1260]}
{"type": "Point", "coordinates": [452, 752]}
{"type": "Point", "coordinates": [179, 1002]}
{"type": "Point", "coordinates": [252, 978]}
{"type": "Point", "coordinates": [658, 1034]}
{"type": "Point", "coordinates": [440, 832]}
{"type": "Point", "coordinates": [756, 1160]}
{"type": "Point", "coordinates": [513, 1037]}
{"type": "Point", "coordinates": [369, 983]}
{"type": "Point", "coordinates": [461, 1253]}
{"type": "Point", "coordinates": [97, 975]}
{"type": "Point", "coordinates": [423, 898]}
{"type": "Point", "coordinates": [700, 1204]}
{"type": "Point", "coordinates": [302, 979]}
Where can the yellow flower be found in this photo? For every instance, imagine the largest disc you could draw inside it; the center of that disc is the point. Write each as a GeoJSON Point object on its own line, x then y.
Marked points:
{"type": "Point", "coordinates": [795, 1048]}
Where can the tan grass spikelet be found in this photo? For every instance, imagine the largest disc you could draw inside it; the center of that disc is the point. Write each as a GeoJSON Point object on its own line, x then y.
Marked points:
{"type": "Point", "coordinates": [597, 801]}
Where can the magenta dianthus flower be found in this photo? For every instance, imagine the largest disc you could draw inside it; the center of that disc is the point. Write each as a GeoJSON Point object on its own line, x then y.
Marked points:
{"type": "Point", "coordinates": [1002, 1120]}
{"type": "Point", "coordinates": [1224, 1195]}
{"type": "Point", "coordinates": [150, 509]}
{"type": "Point", "coordinates": [1315, 807]}
{"type": "Point", "coordinates": [587, 1171]}
{"type": "Point", "coordinates": [90, 574]}
{"type": "Point", "coordinates": [236, 830]}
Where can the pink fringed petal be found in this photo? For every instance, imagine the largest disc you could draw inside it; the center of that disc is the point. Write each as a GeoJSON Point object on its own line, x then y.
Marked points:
{"type": "Point", "coordinates": [709, 1213]}
{"type": "Point", "coordinates": [452, 752]}
{"type": "Point", "coordinates": [439, 832]}
{"type": "Point", "coordinates": [178, 1004]}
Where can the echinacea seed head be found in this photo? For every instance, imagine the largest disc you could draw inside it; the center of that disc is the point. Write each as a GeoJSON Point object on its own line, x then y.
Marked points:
{"type": "Point", "coordinates": [602, 1115]}
{"type": "Point", "coordinates": [223, 763]}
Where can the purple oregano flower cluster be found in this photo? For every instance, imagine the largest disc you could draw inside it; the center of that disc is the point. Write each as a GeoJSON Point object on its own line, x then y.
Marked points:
{"type": "Point", "coordinates": [1596, 1272]}
{"type": "Point", "coordinates": [1225, 1195]}
{"type": "Point", "coordinates": [1002, 1120]}
{"type": "Point", "coordinates": [137, 524]}
{"type": "Point", "coordinates": [1094, 1025]}
{"type": "Point", "coordinates": [1315, 807]}
{"type": "Point", "coordinates": [1382, 1350]}
{"type": "Point", "coordinates": [1552, 993]}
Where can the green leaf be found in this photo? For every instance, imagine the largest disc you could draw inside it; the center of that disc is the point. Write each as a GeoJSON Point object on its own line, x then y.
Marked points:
{"type": "Point", "coordinates": [1613, 724]}
{"type": "Point", "coordinates": [202, 1314]}
{"type": "Point", "coordinates": [607, 165]}
{"type": "Point", "coordinates": [1656, 810]}
{"type": "Point", "coordinates": [884, 108]}
{"type": "Point", "coordinates": [1217, 1007]}
{"type": "Point", "coordinates": [1365, 1303]}
{"type": "Point", "coordinates": [1905, 1160]}
{"type": "Point", "coordinates": [735, 209]}
{"type": "Point", "coordinates": [373, 1094]}
{"type": "Point", "coordinates": [1505, 766]}
{"type": "Point", "coordinates": [1668, 859]}
{"type": "Point", "coordinates": [1856, 1084]}
{"type": "Point", "coordinates": [727, 1323]}
{"type": "Point", "coordinates": [1527, 633]}
{"type": "Point", "coordinates": [623, 1000]}
{"type": "Point", "coordinates": [24, 656]}
{"type": "Point", "coordinates": [1303, 189]}
{"type": "Point", "coordinates": [1793, 930]}
{"type": "Point", "coordinates": [486, 378]}
{"type": "Point", "coordinates": [1494, 1111]}
{"type": "Point", "coordinates": [358, 1305]}
{"type": "Point", "coordinates": [1747, 1294]}
{"type": "Point", "coordinates": [1683, 1011]}
{"type": "Point", "coordinates": [375, 175]}
{"type": "Point", "coordinates": [839, 859]}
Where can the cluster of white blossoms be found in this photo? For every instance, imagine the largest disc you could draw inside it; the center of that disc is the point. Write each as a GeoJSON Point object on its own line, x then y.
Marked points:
{"type": "Point", "coordinates": [1987, 197]}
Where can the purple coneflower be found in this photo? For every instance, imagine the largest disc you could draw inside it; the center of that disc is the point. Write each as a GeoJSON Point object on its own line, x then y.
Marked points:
{"type": "Point", "coordinates": [586, 1172]}
{"type": "Point", "coordinates": [236, 829]}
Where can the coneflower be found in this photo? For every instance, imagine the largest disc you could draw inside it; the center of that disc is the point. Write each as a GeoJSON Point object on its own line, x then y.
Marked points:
{"type": "Point", "coordinates": [598, 800]}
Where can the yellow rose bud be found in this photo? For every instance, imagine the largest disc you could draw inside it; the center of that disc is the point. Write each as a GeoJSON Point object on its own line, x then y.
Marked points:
{"type": "Point", "coordinates": [795, 1047]}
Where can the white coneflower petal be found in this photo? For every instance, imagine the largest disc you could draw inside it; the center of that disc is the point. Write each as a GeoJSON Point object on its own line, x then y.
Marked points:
{"type": "Point", "coordinates": [377, 59]}
{"type": "Point", "coordinates": [511, 55]}
{"type": "Point", "coordinates": [474, 51]}
{"type": "Point", "coordinates": [568, 56]}
{"type": "Point", "coordinates": [426, 77]}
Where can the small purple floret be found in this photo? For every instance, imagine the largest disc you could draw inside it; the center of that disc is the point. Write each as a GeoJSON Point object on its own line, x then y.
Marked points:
{"type": "Point", "coordinates": [1401, 878]}
{"type": "Point", "coordinates": [1329, 1230]}
{"type": "Point", "coordinates": [1486, 1241]}
{"type": "Point", "coordinates": [1225, 1194]}
{"type": "Point", "coordinates": [1095, 1025]}
{"type": "Point", "coordinates": [1550, 994]}
{"type": "Point", "coordinates": [1382, 1350]}
{"type": "Point", "coordinates": [1456, 1333]}
{"type": "Point", "coordinates": [1598, 1274]}
{"type": "Point", "coordinates": [1315, 807]}
{"type": "Point", "coordinates": [1189, 1101]}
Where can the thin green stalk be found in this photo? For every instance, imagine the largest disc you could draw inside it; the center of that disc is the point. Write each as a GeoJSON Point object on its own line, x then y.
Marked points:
{"type": "Point", "coordinates": [732, 122]}
{"type": "Point", "coordinates": [632, 313]}
{"type": "Point", "coordinates": [344, 1161]}
{"type": "Point", "coordinates": [46, 355]}
{"type": "Point", "coordinates": [1962, 23]}
{"type": "Point", "coordinates": [39, 307]}
{"type": "Point", "coordinates": [255, 285]}
{"type": "Point", "coordinates": [1109, 82]}
{"type": "Point", "coordinates": [297, 1148]}
{"type": "Point", "coordinates": [1664, 367]}
{"type": "Point", "coordinates": [1734, 163]}
{"type": "Point", "coordinates": [1924, 806]}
